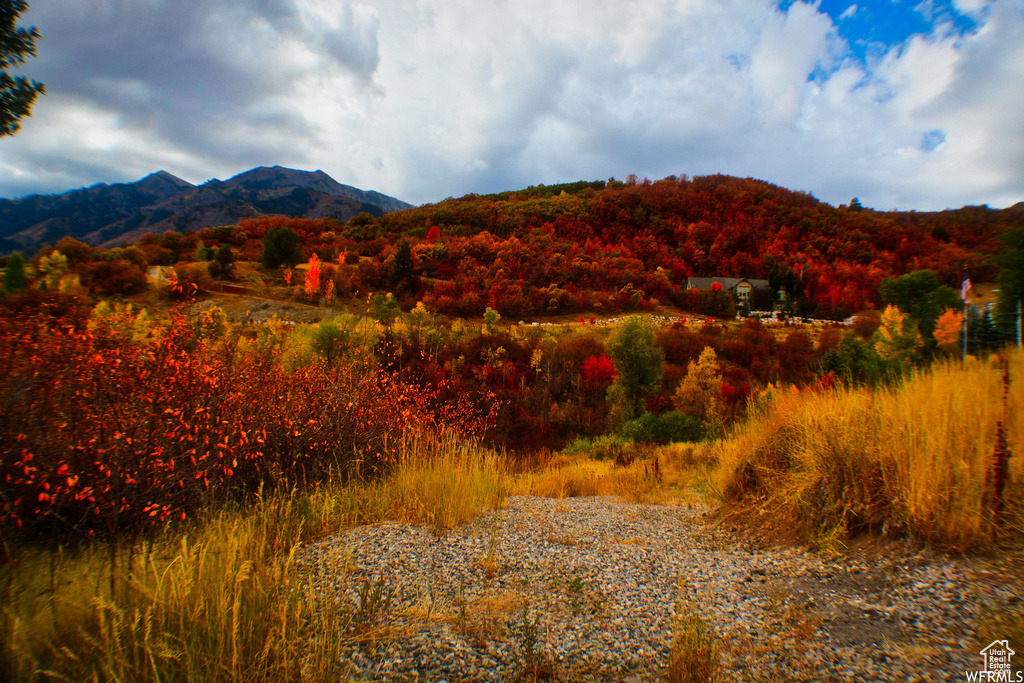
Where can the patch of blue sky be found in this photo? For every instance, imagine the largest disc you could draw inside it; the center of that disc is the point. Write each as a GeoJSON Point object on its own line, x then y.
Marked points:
{"type": "Point", "coordinates": [872, 27]}
{"type": "Point", "coordinates": [932, 139]}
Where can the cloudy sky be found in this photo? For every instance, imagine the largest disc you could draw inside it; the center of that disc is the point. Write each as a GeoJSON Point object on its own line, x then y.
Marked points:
{"type": "Point", "coordinates": [910, 104]}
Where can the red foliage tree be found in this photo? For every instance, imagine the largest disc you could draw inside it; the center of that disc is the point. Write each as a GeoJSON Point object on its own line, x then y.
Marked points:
{"type": "Point", "coordinates": [598, 372]}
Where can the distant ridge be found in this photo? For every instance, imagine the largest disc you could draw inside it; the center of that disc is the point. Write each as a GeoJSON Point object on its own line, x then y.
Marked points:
{"type": "Point", "coordinates": [107, 215]}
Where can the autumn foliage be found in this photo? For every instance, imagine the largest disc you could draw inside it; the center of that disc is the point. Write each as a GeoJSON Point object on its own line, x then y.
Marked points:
{"type": "Point", "coordinates": [311, 285]}
{"type": "Point", "coordinates": [110, 432]}
{"type": "Point", "coordinates": [596, 248]}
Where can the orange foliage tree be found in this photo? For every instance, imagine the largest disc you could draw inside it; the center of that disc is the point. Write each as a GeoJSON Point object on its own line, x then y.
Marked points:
{"type": "Point", "coordinates": [312, 282]}
{"type": "Point", "coordinates": [948, 330]}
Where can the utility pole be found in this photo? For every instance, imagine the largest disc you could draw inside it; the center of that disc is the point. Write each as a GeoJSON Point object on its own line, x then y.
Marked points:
{"type": "Point", "coordinates": [1018, 323]}
{"type": "Point", "coordinates": [965, 330]}
{"type": "Point", "coordinates": [965, 287]}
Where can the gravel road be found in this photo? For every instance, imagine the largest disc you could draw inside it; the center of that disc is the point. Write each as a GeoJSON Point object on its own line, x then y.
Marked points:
{"type": "Point", "coordinates": [586, 589]}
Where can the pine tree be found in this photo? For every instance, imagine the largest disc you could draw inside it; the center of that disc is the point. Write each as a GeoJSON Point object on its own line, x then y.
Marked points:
{"type": "Point", "coordinates": [1011, 279]}
{"type": "Point", "coordinates": [280, 248]}
{"type": "Point", "coordinates": [896, 339]}
{"type": "Point", "coordinates": [17, 94]}
{"type": "Point", "coordinates": [14, 274]}
{"type": "Point", "coordinates": [225, 260]}
{"type": "Point", "coordinates": [403, 268]}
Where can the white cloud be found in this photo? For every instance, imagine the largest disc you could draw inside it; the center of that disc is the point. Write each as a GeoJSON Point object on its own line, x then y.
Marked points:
{"type": "Point", "coordinates": [971, 8]}
{"type": "Point", "coordinates": [424, 99]}
{"type": "Point", "coordinates": [849, 12]}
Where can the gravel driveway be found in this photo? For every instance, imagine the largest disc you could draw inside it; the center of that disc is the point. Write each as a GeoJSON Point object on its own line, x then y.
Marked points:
{"type": "Point", "coordinates": [586, 589]}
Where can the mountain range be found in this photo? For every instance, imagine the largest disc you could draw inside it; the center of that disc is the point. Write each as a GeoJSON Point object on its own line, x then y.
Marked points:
{"type": "Point", "coordinates": [107, 215]}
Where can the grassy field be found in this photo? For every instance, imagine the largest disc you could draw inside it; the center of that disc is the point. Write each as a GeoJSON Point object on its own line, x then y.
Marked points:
{"type": "Point", "coordinates": [916, 459]}
{"type": "Point", "coordinates": [224, 600]}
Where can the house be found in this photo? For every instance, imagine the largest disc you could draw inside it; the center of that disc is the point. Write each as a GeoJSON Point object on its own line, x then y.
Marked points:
{"type": "Point", "coordinates": [997, 655]}
{"type": "Point", "coordinates": [740, 286]}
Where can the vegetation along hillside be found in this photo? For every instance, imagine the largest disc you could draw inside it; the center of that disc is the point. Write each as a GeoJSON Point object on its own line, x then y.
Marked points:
{"type": "Point", "coordinates": [199, 404]}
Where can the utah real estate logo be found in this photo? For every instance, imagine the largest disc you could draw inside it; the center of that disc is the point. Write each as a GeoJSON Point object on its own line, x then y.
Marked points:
{"type": "Point", "coordinates": [996, 656]}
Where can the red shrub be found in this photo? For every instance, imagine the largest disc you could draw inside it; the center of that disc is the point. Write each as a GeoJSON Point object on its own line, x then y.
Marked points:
{"type": "Point", "coordinates": [114, 278]}
{"type": "Point", "coordinates": [104, 433]}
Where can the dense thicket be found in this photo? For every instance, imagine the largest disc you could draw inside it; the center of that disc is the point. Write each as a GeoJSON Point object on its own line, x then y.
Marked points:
{"type": "Point", "coordinates": [113, 422]}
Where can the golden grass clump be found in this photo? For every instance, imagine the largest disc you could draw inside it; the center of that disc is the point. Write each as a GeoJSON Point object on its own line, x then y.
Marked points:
{"type": "Point", "coordinates": [913, 459]}
{"type": "Point", "coordinates": [226, 598]}
{"type": "Point", "coordinates": [443, 484]}
{"type": "Point", "coordinates": [694, 654]}
{"type": "Point", "coordinates": [644, 474]}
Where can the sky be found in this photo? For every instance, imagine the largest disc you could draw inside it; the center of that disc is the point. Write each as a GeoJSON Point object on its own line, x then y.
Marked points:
{"type": "Point", "coordinates": [905, 104]}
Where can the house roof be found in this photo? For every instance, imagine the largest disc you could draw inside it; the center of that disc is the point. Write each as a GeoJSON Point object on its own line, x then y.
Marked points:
{"type": "Point", "coordinates": [726, 282]}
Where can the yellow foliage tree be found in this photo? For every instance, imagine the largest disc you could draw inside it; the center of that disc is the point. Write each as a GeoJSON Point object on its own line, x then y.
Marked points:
{"type": "Point", "coordinates": [52, 268]}
{"type": "Point", "coordinates": [896, 338]}
{"type": "Point", "coordinates": [947, 331]}
{"type": "Point", "coordinates": [697, 394]}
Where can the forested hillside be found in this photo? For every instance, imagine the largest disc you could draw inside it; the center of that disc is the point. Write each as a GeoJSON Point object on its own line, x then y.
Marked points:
{"type": "Point", "coordinates": [583, 247]}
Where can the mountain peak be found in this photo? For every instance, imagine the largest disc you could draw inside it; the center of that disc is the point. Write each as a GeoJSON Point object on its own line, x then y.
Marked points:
{"type": "Point", "coordinates": [282, 179]}
{"type": "Point", "coordinates": [163, 182]}
{"type": "Point", "coordinates": [108, 214]}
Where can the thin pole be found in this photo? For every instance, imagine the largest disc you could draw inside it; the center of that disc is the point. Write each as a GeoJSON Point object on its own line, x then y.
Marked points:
{"type": "Point", "coordinates": [1018, 323]}
{"type": "Point", "coordinates": [965, 330]}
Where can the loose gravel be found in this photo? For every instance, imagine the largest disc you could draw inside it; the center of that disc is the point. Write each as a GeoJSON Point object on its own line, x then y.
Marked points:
{"type": "Point", "coordinates": [587, 589]}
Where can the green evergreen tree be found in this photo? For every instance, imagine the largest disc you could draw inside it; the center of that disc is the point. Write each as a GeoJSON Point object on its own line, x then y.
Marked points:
{"type": "Point", "coordinates": [1011, 280]}
{"type": "Point", "coordinates": [491, 318]}
{"type": "Point", "coordinates": [14, 274]}
{"type": "Point", "coordinates": [385, 308]}
{"type": "Point", "coordinates": [223, 263]}
{"type": "Point", "coordinates": [280, 248]}
{"type": "Point", "coordinates": [982, 333]}
{"type": "Point", "coordinates": [403, 267]}
{"type": "Point", "coordinates": [203, 252]}
{"type": "Point", "coordinates": [17, 94]}
{"type": "Point", "coordinates": [52, 269]}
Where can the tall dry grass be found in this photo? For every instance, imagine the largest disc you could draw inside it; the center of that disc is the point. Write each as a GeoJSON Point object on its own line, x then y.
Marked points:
{"type": "Point", "coordinates": [226, 599]}
{"type": "Point", "coordinates": [641, 473]}
{"type": "Point", "coordinates": [694, 654]}
{"type": "Point", "coordinates": [913, 459]}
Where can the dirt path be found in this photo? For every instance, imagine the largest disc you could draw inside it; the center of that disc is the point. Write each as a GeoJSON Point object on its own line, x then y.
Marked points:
{"type": "Point", "coordinates": [587, 589]}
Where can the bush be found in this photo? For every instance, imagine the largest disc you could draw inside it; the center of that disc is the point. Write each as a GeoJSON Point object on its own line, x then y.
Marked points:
{"type": "Point", "coordinates": [115, 278]}
{"type": "Point", "coordinates": [193, 274]}
{"type": "Point", "coordinates": [118, 434]}
{"type": "Point", "coordinates": [675, 427]}
{"type": "Point", "coordinates": [668, 428]}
